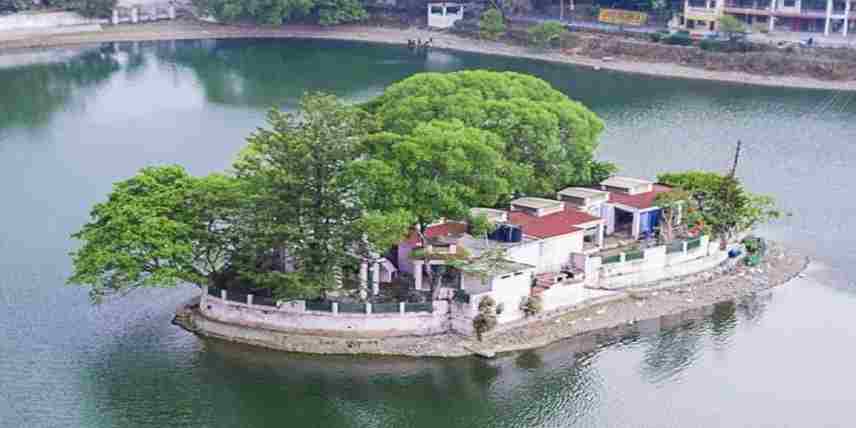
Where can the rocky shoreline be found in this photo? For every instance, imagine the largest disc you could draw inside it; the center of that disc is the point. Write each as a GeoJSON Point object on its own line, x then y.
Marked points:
{"type": "Point", "coordinates": [186, 29]}
{"type": "Point", "coordinates": [623, 309]}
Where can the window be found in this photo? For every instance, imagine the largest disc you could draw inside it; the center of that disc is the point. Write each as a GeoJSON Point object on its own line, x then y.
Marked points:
{"type": "Point", "coordinates": [453, 10]}
{"type": "Point", "coordinates": [790, 3]}
{"type": "Point", "coordinates": [437, 10]}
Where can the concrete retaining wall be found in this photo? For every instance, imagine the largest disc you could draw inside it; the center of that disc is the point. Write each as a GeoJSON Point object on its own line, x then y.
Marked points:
{"type": "Point", "coordinates": [38, 21]}
{"type": "Point", "coordinates": [292, 320]}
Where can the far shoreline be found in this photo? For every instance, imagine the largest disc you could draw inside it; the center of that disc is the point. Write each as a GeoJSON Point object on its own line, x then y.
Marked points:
{"type": "Point", "coordinates": [622, 311]}
{"type": "Point", "coordinates": [195, 30]}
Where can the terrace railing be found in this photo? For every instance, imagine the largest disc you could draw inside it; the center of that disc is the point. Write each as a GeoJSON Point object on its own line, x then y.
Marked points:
{"type": "Point", "coordinates": [328, 306]}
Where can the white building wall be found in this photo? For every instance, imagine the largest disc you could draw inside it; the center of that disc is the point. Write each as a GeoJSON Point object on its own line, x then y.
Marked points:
{"type": "Point", "coordinates": [510, 292]}
{"type": "Point", "coordinates": [529, 253]}
{"type": "Point", "coordinates": [608, 214]}
{"type": "Point", "coordinates": [556, 251]}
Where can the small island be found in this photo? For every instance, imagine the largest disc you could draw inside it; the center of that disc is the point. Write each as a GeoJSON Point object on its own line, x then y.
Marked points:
{"type": "Point", "coordinates": [455, 214]}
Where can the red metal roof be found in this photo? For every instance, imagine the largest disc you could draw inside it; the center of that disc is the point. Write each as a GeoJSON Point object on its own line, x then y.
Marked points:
{"type": "Point", "coordinates": [438, 230]}
{"type": "Point", "coordinates": [560, 223]}
{"type": "Point", "coordinates": [640, 201]}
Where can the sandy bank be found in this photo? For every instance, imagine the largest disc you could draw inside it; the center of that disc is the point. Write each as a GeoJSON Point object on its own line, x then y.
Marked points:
{"type": "Point", "coordinates": [624, 309]}
{"type": "Point", "coordinates": [177, 30]}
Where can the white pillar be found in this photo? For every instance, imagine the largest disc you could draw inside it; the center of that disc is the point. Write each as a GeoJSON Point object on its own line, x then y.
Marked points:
{"type": "Point", "coordinates": [417, 274]}
{"type": "Point", "coordinates": [171, 12]}
{"type": "Point", "coordinates": [135, 15]}
{"type": "Point", "coordinates": [636, 225]}
{"type": "Point", "coordinates": [334, 307]}
{"type": "Point", "coordinates": [368, 308]}
{"type": "Point", "coordinates": [249, 299]}
{"type": "Point", "coordinates": [401, 308]}
{"type": "Point", "coordinates": [828, 18]}
{"type": "Point", "coordinates": [115, 18]}
{"type": "Point", "coordinates": [364, 275]}
{"type": "Point", "coordinates": [771, 20]}
{"type": "Point", "coordinates": [600, 235]}
{"type": "Point", "coordinates": [223, 294]}
{"type": "Point", "coordinates": [846, 18]}
{"type": "Point", "coordinates": [375, 278]}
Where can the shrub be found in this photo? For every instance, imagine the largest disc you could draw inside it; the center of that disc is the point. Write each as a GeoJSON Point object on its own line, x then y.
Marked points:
{"type": "Point", "coordinates": [492, 24]}
{"type": "Point", "coordinates": [486, 319]}
{"type": "Point", "coordinates": [546, 33]}
{"type": "Point", "coordinates": [679, 39]}
{"type": "Point", "coordinates": [732, 27]}
{"type": "Point", "coordinates": [532, 305]}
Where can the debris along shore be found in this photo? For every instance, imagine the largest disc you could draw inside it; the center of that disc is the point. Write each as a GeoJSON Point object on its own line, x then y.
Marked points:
{"type": "Point", "coordinates": [189, 29]}
{"type": "Point", "coordinates": [669, 297]}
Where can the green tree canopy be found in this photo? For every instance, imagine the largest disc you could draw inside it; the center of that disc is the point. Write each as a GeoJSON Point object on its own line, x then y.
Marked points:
{"type": "Point", "coordinates": [544, 132]}
{"type": "Point", "coordinates": [546, 33]}
{"type": "Point", "coordinates": [441, 169]}
{"type": "Point", "coordinates": [492, 24]}
{"type": "Point", "coordinates": [306, 195]}
{"type": "Point", "coordinates": [159, 228]}
{"type": "Point", "coordinates": [725, 205]}
{"type": "Point", "coordinates": [731, 27]}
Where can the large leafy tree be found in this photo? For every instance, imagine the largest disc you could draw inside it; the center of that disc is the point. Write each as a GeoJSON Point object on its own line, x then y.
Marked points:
{"type": "Point", "coordinates": [159, 228]}
{"type": "Point", "coordinates": [725, 205]}
{"type": "Point", "coordinates": [306, 194]}
{"type": "Point", "coordinates": [552, 137]}
{"type": "Point", "coordinates": [439, 170]}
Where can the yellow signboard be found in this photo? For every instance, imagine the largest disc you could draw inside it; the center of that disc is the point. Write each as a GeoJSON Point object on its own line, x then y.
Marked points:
{"type": "Point", "coordinates": [622, 17]}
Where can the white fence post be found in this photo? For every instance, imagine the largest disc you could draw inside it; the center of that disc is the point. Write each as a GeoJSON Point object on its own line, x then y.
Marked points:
{"type": "Point", "coordinates": [249, 299]}
{"type": "Point", "coordinates": [684, 246]}
{"type": "Point", "coordinates": [335, 307]}
{"type": "Point", "coordinates": [368, 308]}
{"type": "Point", "coordinates": [402, 308]}
{"type": "Point", "coordinates": [223, 294]}
{"type": "Point", "coordinates": [622, 257]}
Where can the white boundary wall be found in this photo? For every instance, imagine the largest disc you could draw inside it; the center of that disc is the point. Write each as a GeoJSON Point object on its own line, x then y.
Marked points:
{"type": "Point", "coordinates": [657, 265]}
{"type": "Point", "coordinates": [38, 21]}
{"type": "Point", "coordinates": [291, 319]}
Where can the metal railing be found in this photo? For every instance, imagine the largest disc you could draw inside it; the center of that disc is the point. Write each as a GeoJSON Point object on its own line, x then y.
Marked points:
{"type": "Point", "coordinates": [419, 307]}
{"type": "Point", "coordinates": [611, 259]}
{"type": "Point", "coordinates": [352, 308]}
{"type": "Point", "coordinates": [675, 247]}
{"type": "Point", "coordinates": [319, 305]}
{"type": "Point", "coordinates": [385, 308]}
{"type": "Point", "coordinates": [634, 255]}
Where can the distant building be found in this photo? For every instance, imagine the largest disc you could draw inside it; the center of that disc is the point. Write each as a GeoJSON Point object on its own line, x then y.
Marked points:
{"type": "Point", "coordinates": [444, 15]}
{"type": "Point", "coordinates": [829, 16]}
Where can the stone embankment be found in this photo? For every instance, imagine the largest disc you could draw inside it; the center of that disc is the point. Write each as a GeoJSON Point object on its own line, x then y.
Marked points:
{"type": "Point", "coordinates": [835, 64]}
{"type": "Point", "coordinates": [622, 309]}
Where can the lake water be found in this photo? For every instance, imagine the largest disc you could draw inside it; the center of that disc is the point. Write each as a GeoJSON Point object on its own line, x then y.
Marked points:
{"type": "Point", "coordinates": [73, 121]}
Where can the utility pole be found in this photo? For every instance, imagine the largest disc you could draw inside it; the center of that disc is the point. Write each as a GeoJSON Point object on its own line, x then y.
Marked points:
{"type": "Point", "coordinates": [736, 159]}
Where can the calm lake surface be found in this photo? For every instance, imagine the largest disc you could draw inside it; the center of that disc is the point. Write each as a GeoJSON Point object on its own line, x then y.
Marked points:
{"type": "Point", "coordinates": [73, 121]}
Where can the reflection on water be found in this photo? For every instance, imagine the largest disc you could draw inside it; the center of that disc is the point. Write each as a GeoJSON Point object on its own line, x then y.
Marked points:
{"type": "Point", "coordinates": [31, 94]}
{"type": "Point", "coordinates": [69, 127]}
